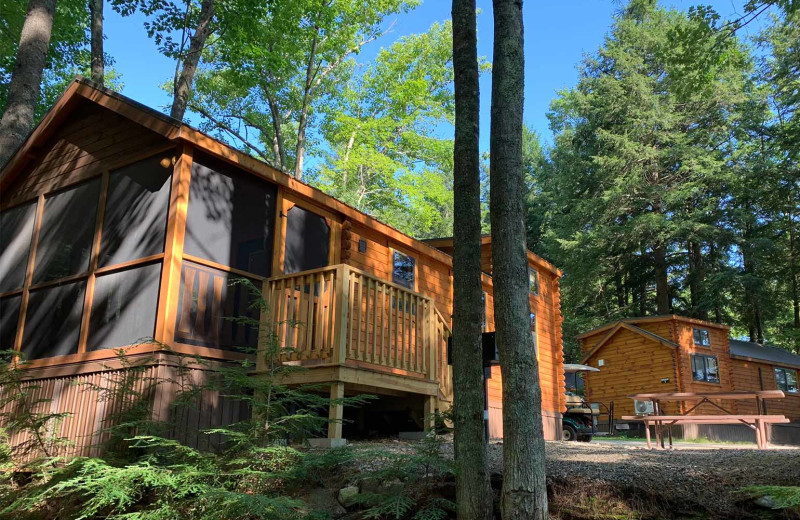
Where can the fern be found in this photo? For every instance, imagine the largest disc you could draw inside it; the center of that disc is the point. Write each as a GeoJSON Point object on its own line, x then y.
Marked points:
{"type": "Point", "coordinates": [784, 497]}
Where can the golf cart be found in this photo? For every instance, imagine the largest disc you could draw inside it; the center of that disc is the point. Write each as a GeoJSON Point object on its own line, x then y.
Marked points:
{"type": "Point", "coordinates": [580, 420]}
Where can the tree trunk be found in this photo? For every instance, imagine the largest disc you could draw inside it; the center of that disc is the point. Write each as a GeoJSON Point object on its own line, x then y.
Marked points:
{"type": "Point", "coordinates": [278, 147]}
{"type": "Point", "coordinates": [98, 61]}
{"type": "Point", "coordinates": [473, 492]}
{"type": "Point", "coordinates": [662, 281]}
{"type": "Point", "coordinates": [524, 494]}
{"type": "Point", "coordinates": [183, 85]}
{"type": "Point", "coordinates": [302, 122]}
{"type": "Point", "coordinates": [26, 79]}
{"type": "Point", "coordinates": [793, 272]}
{"type": "Point", "coordinates": [697, 275]}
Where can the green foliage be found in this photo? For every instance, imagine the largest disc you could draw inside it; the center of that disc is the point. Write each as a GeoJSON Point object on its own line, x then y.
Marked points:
{"type": "Point", "coordinates": [665, 160]}
{"type": "Point", "coordinates": [783, 497]}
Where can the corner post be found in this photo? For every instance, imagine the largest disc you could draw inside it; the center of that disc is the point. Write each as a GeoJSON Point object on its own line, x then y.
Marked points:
{"type": "Point", "coordinates": [173, 252]}
{"type": "Point", "coordinates": [341, 310]}
{"type": "Point", "coordinates": [430, 409]}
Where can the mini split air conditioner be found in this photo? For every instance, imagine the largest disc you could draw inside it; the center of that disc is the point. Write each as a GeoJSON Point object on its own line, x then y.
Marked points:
{"type": "Point", "coordinates": [643, 407]}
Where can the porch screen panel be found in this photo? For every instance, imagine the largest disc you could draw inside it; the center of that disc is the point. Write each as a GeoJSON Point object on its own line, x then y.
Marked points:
{"type": "Point", "coordinates": [9, 316]}
{"type": "Point", "coordinates": [16, 228]}
{"type": "Point", "coordinates": [65, 240]}
{"type": "Point", "coordinates": [210, 301]}
{"type": "Point", "coordinates": [52, 321]}
{"type": "Point", "coordinates": [307, 241]}
{"type": "Point", "coordinates": [134, 225]}
{"type": "Point", "coordinates": [124, 307]}
{"type": "Point", "coordinates": [231, 217]}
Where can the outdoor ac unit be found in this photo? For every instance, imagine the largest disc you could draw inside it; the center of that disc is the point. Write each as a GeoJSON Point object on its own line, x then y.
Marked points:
{"type": "Point", "coordinates": [643, 407]}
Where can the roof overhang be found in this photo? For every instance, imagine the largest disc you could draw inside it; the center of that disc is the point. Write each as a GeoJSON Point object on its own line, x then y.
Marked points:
{"type": "Point", "coordinates": [653, 319]}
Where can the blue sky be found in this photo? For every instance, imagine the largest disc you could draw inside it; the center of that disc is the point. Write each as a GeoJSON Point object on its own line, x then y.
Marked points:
{"type": "Point", "coordinates": [557, 35]}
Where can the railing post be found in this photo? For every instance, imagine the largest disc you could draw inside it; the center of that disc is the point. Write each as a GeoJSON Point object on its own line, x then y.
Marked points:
{"type": "Point", "coordinates": [341, 309]}
{"type": "Point", "coordinates": [433, 345]}
{"type": "Point", "coordinates": [265, 327]}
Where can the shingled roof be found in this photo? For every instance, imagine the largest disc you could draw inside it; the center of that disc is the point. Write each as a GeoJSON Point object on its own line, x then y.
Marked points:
{"type": "Point", "coordinates": [756, 351]}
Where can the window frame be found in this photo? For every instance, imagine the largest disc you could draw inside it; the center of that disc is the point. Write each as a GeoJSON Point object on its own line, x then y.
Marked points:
{"type": "Point", "coordinates": [785, 379]}
{"type": "Point", "coordinates": [392, 252]}
{"type": "Point", "coordinates": [90, 275]}
{"type": "Point", "coordinates": [535, 272]}
{"type": "Point", "coordinates": [707, 337]}
{"type": "Point", "coordinates": [283, 203]}
{"type": "Point", "coordinates": [705, 357]}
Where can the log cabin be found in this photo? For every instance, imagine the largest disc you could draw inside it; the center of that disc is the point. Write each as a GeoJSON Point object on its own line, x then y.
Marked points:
{"type": "Point", "coordinates": [121, 228]}
{"type": "Point", "coordinates": [671, 353]}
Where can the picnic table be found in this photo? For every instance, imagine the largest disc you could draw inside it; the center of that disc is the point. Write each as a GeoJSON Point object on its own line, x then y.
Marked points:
{"type": "Point", "coordinates": [758, 421]}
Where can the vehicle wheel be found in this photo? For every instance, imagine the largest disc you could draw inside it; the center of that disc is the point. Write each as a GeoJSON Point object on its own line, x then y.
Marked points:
{"type": "Point", "coordinates": [568, 433]}
{"type": "Point", "coordinates": [585, 438]}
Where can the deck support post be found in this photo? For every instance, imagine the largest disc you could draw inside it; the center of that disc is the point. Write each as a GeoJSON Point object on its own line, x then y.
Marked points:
{"type": "Point", "coordinates": [430, 409]}
{"type": "Point", "coordinates": [336, 411]}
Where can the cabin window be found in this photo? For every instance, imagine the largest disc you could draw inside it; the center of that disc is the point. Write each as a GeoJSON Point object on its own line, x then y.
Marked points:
{"type": "Point", "coordinates": [123, 310]}
{"type": "Point", "coordinates": [484, 321]}
{"type": "Point", "coordinates": [307, 241]}
{"type": "Point", "coordinates": [403, 270]}
{"type": "Point", "coordinates": [210, 308]}
{"type": "Point", "coordinates": [231, 217]}
{"type": "Point", "coordinates": [65, 240]}
{"type": "Point", "coordinates": [786, 379]}
{"type": "Point", "coordinates": [705, 368]}
{"type": "Point", "coordinates": [53, 321]}
{"type": "Point", "coordinates": [9, 317]}
{"type": "Point", "coordinates": [534, 335]}
{"type": "Point", "coordinates": [16, 228]}
{"type": "Point", "coordinates": [533, 280]}
{"type": "Point", "coordinates": [701, 337]}
{"type": "Point", "coordinates": [135, 220]}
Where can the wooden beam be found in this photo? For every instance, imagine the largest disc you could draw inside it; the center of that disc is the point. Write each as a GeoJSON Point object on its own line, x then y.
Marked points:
{"type": "Point", "coordinates": [169, 291]}
{"type": "Point", "coordinates": [336, 411]}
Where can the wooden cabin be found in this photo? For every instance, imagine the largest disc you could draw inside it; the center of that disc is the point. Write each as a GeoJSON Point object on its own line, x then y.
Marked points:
{"type": "Point", "coordinates": [121, 227]}
{"type": "Point", "coordinates": [677, 354]}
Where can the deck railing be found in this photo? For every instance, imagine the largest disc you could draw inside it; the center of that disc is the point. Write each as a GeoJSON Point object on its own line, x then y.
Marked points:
{"type": "Point", "coordinates": [343, 315]}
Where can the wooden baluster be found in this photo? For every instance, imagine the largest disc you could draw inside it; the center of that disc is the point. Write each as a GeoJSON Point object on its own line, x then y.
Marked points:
{"type": "Point", "coordinates": [351, 314]}
{"type": "Point", "coordinates": [392, 328]}
{"type": "Point", "coordinates": [282, 311]}
{"type": "Point", "coordinates": [367, 344]}
{"type": "Point", "coordinates": [359, 306]}
{"type": "Point", "coordinates": [341, 313]}
{"type": "Point", "coordinates": [202, 295]}
{"type": "Point", "coordinates": [403, 335]}
{"type": "Point", "coordinates": [318, 313]}
{"type": "Point", "coordinates": [330, 344]}
{"type": "Point", "coordinates": [310, 316]}
{"type": "Point", "coordinates": [382, 289]}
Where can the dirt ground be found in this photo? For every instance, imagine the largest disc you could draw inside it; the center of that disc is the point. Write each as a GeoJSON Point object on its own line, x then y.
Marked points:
{"type": "Point", "coordinates": [621, 480]}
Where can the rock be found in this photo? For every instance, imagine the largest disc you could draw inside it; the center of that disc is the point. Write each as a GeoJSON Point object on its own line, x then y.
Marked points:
{"type": "Point", "coordinates": [347, 495]}
{"type": "Point", "coordinates": [369, 485]}
{"type": "Point", "coordinates": [393, 487]}
{"type": "Point", "coordinates": [322, 499]}
{"type": "Point", "coordinates": [767, 501]}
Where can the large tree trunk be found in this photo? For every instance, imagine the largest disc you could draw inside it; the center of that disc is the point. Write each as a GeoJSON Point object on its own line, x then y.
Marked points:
{"type": "Point", "coordinates": [473, 492]}
{"type": "Point", "coordinates": [697, 280]}
{"type": "Point", "coordinates": [662, 281]}
{"type": "Point", "coordinates": [524, 494]}
{"type": "Point", "coordinates": [794, 273]}
{"type": "Point", "coordinates": [302, 122]}
{"type": "Point", "coordinates": [98, 65]}
{"type": "Point", "coordinates": [183, 85]}
{"type": "Point", "coordinates": [26, 79]}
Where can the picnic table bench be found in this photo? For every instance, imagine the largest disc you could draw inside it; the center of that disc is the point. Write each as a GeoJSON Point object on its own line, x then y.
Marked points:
{"type": "Point", "coordinates": [758, 421]}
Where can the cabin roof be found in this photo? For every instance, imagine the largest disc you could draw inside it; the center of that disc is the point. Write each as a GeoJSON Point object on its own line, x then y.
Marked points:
{"type": "Point", "coordinates": [755, 351]}
{"type": "Point", "coordinates": [625, 324]}
{"type": "Point", "coordinates": [82, 89]}
{"type": "Point", "coordinates": [650, 319]}
{"type": "Point", "coordinates": [447, 242]}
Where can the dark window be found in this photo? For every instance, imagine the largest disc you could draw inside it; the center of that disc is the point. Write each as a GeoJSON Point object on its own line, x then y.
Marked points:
{"type": "Point", "coordinates": [786, 379]}
{"type": "Point", "coordinates": [533, 333]}
{"type": "Point", "coordinates": [16, 228]}
{"type": "Point", "coordinates": [307, 241]}
{"type": "Point", "coordinates": [135, 219]}
{"type": "Point", "coordinates": [362, 246]}
{"type": "Point", "coordinates": [53, 321]}
{"type": "Point", "coordinates": [230, 217]}
{"type": "Point", "coordinates": [403, 270]}
{"type": "Point", "coordinates": [484, 319]}
{"type": "Point", "coordinates": [124, 307]}
{"type": "Point", "coordinates": [701, 337]}
{"type": "Point", "coordinates": [705, 368]}
{"type": "Point", "coordinates": [533, 280]}
{"type": "Point", "coordinates": [9, 316]}
{"type": "Point", "coordinates": [65, 240]}
{"type": "Point", "coordinates": [208, 307]}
